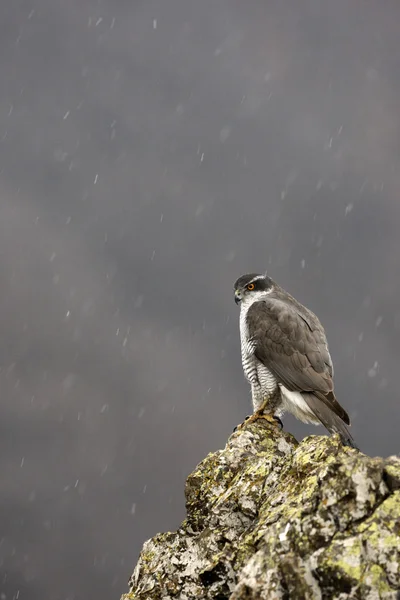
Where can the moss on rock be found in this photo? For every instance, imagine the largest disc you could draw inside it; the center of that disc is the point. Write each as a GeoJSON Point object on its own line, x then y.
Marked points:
{"type": "Point", "coordinates": [270, 518]}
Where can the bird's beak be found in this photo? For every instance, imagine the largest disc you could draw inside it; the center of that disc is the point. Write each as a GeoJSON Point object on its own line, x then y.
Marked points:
{"type": "Point", "coordinates": [238, 296]}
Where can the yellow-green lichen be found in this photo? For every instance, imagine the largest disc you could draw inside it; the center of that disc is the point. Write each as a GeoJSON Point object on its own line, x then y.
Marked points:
{"type": "Point", "coordinates": [270, 518]}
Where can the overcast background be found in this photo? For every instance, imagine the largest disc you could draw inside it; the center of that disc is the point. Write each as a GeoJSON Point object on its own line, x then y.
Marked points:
{"type": "Point", "coordinates": [150, 153]}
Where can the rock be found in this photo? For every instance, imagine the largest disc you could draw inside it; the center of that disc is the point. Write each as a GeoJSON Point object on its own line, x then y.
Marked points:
{"type": "Point", "coordinates": [270, 518]}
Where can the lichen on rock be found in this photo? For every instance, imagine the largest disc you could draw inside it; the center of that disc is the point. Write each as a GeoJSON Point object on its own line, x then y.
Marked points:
{"type": "Point", "coordinates": [270, 518]}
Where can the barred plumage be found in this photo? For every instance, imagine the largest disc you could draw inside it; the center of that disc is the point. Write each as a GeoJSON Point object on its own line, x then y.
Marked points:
{"type": "Point", "coordinates": [285, 356]}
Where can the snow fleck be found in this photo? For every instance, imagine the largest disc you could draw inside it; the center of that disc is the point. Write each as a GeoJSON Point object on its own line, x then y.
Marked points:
{"type": "Point", "coordinates": [378, 321]}
{"type": "Point", "coordinates": [22, 462]}
{"type": "Point", "coordinates": [373, 371]}
{"type": "Point", "coordinates": [99, 20]}
{"type": "Point", "coordinates": [283, 535]}
{"type": "Point", "coordinates": [141, 412]}
{"type": "Point", "coordinates": [68, 382]}
{"type": "Point", "coordinates": [96, 178]}
{"type": "Point", "coordinates": [104, 408]}
{"type": "Point", "coordinates": [112, 23]}
{"type": "Point", "coordinates": [68, 221]}
{"type": "Point", "coordinates": [67, 314]}
{"type": "Point", "coordinates": [361, 337]}
{"type": "Point", "coordinates": [303, 263]}
{"type": "Point", "coordinates": [52, 257]}
{"type": "Point", "coordinates": [133, 508]}
{"type": "Point", "coordinates": [66, 115]}
{"type": "Point", "coordinates": [153, 255]}
{"type": "Point", "coordinates": [154, 23]}
{"type": "Point", "coordinates": [202, 157]}
{"type": "Point", "coordinates": [348, 208]}
{"type": "Point", "coordinates": [224, 134]}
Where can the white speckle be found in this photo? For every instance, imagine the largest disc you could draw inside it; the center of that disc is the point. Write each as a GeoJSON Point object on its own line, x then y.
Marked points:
{"type": "Point", "coordinates": [68, 382]}
{"type": "Point", "coordinates": [202, 157]}
{"type": "Point", "coordinates": [161, 218]}
{"type": "Point", "coordinates": [154, 23]}
{"type": "Point", "coordinates": [303, 263]}
{"type": "Point", "coordinates": [99, 20]}
{"type": "Point", "coordinates": [361, 337]}
{"type": "Point", "coordinates": [153, 255]}
{"type": "Point", "coordinates": [22, 462]}
{"type": "Point", "coordinates": [67, 314]}
{"type": "Point", "coordinates": [224, 134]}
{"type": "Point", "coordinates": [104, 408]}
{"type": "Point", "coordinates": [340, 130]}
{"type": "Point", "coordinates": [133, 509]}
{"type": "Point", "coordinates": [68, 221]}
{"type": "Point", "coordinates": [66, 115]}
{"type": "Point", "coordinates": [348, 208]}
{"type": "Point", "coordinates": [373, 371]}
{"type": "Point", "coordinates": [112, 23]}
{"type": "Point", "coordinates": [267, 76]}
{"type": "Point", "coordinates": [76, 483]}
{"type": "Point", "coordinates": [124, 343]}
{"type": "Point", "coordinates": [31, 14]}
{"type": "Point", "coordinates": [117, 332]}
{"type": "Point", "coordinates": [96, 178]}
{"type": "Point", "coordinates": [141, 412]}
{"type": "Point", "coordinates": [378, 321]}
{"type": "Point", "coordinates": [144, 488]}
{"type": "Point", "coordinates": [52, 257]}
{"type": "Point", "coordinates": [283, 535]}
{"type": "Point", "coordinates": [319, 185]}
{"type": "Point", "coordinates": [10, 111]}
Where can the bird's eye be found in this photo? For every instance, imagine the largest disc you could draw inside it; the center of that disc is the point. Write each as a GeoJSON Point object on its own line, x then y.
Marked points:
{"type": "Point", "coordinates": [251, 287]}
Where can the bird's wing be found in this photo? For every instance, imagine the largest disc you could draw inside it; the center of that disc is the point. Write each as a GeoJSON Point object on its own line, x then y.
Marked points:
{"type": "Point", "coordinates": [290, 341]}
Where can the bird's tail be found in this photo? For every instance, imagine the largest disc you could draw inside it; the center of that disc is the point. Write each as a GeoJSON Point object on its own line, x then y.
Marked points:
{"type": "Point", "coordinates": [330, 420]}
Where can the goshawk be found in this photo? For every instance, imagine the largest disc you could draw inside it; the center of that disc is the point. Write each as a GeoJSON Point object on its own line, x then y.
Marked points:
{"type": "Point", "coordinates": [285, 357]}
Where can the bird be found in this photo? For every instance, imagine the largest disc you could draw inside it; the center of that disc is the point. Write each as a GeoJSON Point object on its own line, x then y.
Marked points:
{"type": "Point", "coordinates": [285, 358]}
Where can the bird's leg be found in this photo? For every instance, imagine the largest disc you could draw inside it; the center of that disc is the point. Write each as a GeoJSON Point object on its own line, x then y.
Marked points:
{"type": "Point", "coordinates": [260, 414]}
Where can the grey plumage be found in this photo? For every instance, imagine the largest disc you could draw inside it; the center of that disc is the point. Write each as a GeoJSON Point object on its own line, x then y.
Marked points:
{"type": "Point", "coordinates": [285, 356]}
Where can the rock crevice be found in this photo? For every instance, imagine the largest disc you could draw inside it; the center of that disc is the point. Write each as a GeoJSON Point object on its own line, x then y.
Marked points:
{"type": "Point", "coordinates": [270, 518]}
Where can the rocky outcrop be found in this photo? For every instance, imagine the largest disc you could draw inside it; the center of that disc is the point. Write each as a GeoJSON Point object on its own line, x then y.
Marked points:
{"type": "Point", "coordinates": [270, 518]}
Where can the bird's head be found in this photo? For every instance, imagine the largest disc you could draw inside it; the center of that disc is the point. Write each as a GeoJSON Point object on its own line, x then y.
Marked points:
{"type": "Point", "coordinates": [251, 286]}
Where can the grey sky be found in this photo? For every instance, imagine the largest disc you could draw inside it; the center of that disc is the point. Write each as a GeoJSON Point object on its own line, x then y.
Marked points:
{"type": "Point", "coordinates": [150, 153]}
